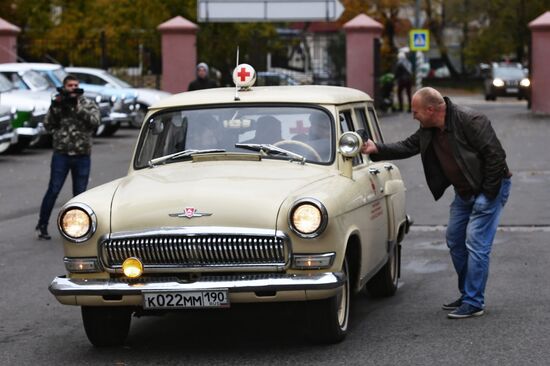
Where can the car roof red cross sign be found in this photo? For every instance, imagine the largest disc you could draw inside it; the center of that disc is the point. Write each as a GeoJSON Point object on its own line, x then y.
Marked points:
{"type": "Point", "coordinates": [244, 76]}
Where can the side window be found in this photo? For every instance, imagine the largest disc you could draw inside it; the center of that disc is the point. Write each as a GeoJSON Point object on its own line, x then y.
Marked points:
{"type": "Point", "coordinates": [363, 121]}
{"type": "Point", "coordinates": [375, 126]}
{"type": "Point", "coordinates": [346, 124]}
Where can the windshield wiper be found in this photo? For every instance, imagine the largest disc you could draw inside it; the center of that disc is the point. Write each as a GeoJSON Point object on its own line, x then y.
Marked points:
{"type": "Point", "coordinates": [269, 149]}
{"type": "Point", "coordinates": [181, 155]}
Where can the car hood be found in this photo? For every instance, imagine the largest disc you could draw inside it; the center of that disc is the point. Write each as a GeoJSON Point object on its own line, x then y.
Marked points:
{"type": "Point", "coordinates": [236, 194]}
{"type": "Point", "coordinates": [150, 96]}
{"type": "Point", "coordinates": [25, 100]}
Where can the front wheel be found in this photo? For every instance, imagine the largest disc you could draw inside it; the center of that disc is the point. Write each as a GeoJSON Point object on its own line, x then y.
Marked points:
{"type": "Point", "coordinates": [106, 326]}
{"type": "Point", "coordinates": [384, 283]}
{"type": "Point", "coordinates": [328, 319]}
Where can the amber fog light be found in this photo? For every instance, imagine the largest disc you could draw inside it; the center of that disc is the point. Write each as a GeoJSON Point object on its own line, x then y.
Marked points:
{"type": "Point", "coordinates": [132, 267]}
{"type": "Point", "coordinates": [77, 222]}
{"type": "Point", "coordinates": [308, 218]}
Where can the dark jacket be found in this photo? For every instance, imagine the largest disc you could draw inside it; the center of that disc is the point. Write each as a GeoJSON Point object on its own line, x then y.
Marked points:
{"type": "Point", "coordinates": [199, 84]}
{"type": "Point", "coordinates": [72, 125]}
{"type": "Point", "coordinates": [475, 147]}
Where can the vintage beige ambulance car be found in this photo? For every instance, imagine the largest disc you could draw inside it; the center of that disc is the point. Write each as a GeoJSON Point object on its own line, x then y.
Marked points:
{"type": "Point", "coordinates": [258, 195]}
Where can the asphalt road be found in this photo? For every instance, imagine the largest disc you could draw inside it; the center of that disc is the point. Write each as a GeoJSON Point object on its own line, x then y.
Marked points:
{"type": "Point", "coordinates": [407, 329]}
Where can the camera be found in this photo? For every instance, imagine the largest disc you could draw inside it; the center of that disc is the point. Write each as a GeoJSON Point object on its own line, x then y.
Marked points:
{"type": "Point", "coordinates": [65, 97]}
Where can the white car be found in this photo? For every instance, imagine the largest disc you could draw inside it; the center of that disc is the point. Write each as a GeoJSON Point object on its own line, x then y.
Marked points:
{"type": "Point", "coordinates": [29, 109]}
{"type": "Point", "coordinates": [146, 97]}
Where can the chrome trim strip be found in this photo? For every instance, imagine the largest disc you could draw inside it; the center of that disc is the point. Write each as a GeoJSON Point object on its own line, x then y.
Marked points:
{"type": "Point", "coordinates": [198, 230]}
{"type": "Point", "coordinates": [63, 286]}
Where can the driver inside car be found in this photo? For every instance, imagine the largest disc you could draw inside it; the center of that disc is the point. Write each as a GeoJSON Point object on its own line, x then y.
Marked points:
{"type": "Point", "coordinates": [319, 134]}
{"type": "Point", "coordinates": [268, 131]}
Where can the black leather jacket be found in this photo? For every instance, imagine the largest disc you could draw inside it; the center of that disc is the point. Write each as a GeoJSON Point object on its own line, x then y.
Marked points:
{"type": "Point", "coordinates": [475, 147]}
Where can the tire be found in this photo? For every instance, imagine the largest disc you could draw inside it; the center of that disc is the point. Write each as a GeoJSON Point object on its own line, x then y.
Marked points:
{"type": "Point", "coordinates": [18, 147]}
{"type": "Point", "coordinates": [328, 318]}
{"type": "Point", "coordinates": [385, 281]}
{"type": "Point", "coordinates": [107, 131]}
{"type": "Point", "coordinates": [42, 142]}
{"type": "Point", "coordinates": [106, 326]}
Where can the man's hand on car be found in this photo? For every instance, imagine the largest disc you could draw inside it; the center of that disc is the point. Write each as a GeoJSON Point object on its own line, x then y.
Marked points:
{"type": "Point", "coordinates": [369, 147]}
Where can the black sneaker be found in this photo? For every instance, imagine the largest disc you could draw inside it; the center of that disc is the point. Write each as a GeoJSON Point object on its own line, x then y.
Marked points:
{"type": "Point", "coordinates": [42, 232]}
{"type": "Point", "coordinates": [465, 311]}
{"type": "Point", "coordinates": [452, 305]}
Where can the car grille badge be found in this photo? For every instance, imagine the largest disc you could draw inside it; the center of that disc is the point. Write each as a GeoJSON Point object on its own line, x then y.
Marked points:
{"type": "Point", "coordinates": [189, 212]}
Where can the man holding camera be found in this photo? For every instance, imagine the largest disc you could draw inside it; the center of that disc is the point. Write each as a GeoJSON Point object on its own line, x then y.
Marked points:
{"type": "Point", "coordinates": [71, 120]}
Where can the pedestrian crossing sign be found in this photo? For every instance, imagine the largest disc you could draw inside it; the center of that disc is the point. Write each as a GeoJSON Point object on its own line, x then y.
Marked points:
{"type": "Point", "coordinates": [419, 39]}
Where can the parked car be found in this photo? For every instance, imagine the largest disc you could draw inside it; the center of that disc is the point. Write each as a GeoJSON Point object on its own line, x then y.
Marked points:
{"type": "Point", "coordinates": [271, 78]}
{"type": "Point", "coordinates": [29, 109]}
{"type": "Point", "coordinates": [7, 135]}
{"type": "Point", "coordinates": [99, 78]}
{"type": "Point", "coordinates": [53, 75]}
{"type": "Point", "coordinates": [504, 79]}
{"type": "Point", "coordinates": [260, 197]}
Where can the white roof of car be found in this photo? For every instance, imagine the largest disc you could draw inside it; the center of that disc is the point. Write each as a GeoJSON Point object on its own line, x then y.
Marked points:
{"type": "Point", "coordinates": [23, 66]}
{"type": "Point", "coordinates": [310, 94]}
{"type": "Point", "coordinates": [86, 70]}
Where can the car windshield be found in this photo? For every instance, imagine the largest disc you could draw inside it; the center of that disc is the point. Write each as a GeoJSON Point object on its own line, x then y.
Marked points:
{"type": "Point", "coordinates": [306, 131]}
{"type": "Point", "coordinates": [118, 82]}
{"type": "Point", "coordinates": [35, 81]}
{"type": "Point", "coordinates": [5, 84]}
{"type": "Point", "coordinates": [60, 75]}
{"type": "Point", "coordinates": [509, 73]}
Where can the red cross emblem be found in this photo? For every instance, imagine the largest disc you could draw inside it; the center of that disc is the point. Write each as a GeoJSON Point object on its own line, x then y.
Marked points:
{"type": "Point", "coordinates": [243, 74]}
{"type": "Point", "coordinates": [299, 128]}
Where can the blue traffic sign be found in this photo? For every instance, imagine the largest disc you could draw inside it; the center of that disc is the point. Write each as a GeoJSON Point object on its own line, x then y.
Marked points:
{"type": "Point", "coordinates": [419, 40]}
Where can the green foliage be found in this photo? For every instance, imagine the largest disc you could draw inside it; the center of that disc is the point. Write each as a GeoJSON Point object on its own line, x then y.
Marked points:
{"type": "Point", "coordinates": [110, 33]}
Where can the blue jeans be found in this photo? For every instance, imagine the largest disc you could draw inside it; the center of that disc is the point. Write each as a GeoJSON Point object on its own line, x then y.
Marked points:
{"type": "Point", "coordinates": [470, 233]}
{"type": "Point", "coordinates": [78, 165]}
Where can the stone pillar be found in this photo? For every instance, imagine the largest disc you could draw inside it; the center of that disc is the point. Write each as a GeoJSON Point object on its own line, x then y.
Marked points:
{"type": "Point", "coordinates": [540, 72]}
{"type": "Point", "coordinates": [8, 41]}
{"type": "Point", "coordinates": [361, 32]}
{"type": "Point", "coordinates": [179, 53]}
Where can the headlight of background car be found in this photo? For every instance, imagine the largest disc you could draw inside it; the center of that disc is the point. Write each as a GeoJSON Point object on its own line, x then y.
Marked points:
{"type": "Point", "coordinates": [77, 222]}
{"type": "Point", "coordinates": [308, 218]}
{"type": "Point", "coordinates": [525, 83]}
{"type": "Point", "coordinates": [498, 83]}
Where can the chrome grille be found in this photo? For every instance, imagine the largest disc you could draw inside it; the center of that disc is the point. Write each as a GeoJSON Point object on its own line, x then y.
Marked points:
{"type": "Point", "coordinates": [181, 250]}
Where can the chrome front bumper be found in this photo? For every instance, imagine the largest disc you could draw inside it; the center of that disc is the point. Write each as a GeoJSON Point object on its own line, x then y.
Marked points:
{"type": "Point", "coordinates": [253, 283]}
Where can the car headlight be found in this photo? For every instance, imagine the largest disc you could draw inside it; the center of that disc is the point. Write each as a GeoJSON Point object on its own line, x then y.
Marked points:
{"type": "Point", "coordinates": [77, 222]}
{"type": "Point", "coordinates": [525, 82]}
{"type": "Point", "coordinates": [113, 99]}
{"type": "Point", "coordinates": [98, 99]}
{"type": "Point", "coordinates": [499, 83]}
{"type": "Point", "coordinates": [350, 144]}
{"type": "Point", "coordinates": [308, 218]}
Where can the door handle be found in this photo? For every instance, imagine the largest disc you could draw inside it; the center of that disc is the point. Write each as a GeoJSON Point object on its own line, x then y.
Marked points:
{"type": "Point", "coordinates": [374, 171]}
{"type": "Point", "coordinates": [388, 167]}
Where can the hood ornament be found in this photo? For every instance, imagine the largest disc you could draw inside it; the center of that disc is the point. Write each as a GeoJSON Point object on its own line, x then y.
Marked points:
{"type": "Point", "coordinates": [189, 212]}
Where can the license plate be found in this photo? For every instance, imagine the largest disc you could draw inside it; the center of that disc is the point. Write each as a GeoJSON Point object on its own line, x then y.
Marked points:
{"type": "Point", "coordinates": [512, 90]}
{"type": "Point", "coordinates": [186, 299]}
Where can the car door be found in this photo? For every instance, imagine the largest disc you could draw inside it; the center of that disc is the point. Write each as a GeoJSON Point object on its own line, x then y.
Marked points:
{"type": "Point", "coordinates": [377, 213]}
{"type": "Point", "coordinates": [366, 216]}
